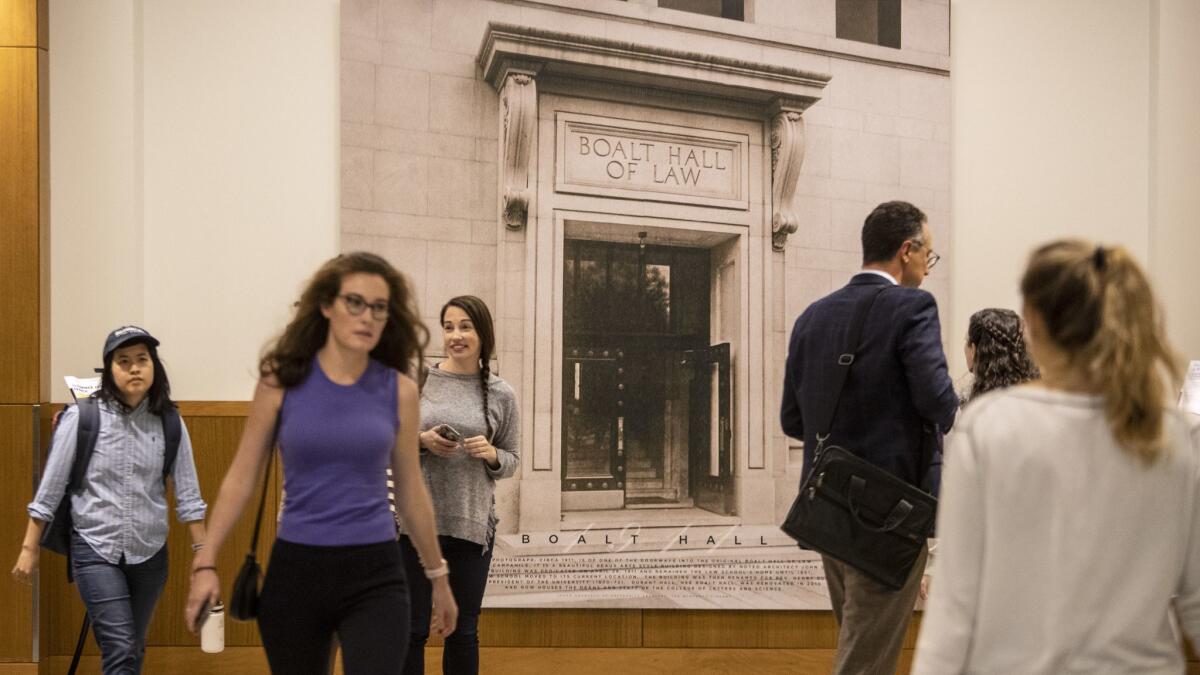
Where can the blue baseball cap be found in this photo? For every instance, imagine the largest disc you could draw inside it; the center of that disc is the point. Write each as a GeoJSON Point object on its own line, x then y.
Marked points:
{"type": "Point", "coordinates": [127, 335]}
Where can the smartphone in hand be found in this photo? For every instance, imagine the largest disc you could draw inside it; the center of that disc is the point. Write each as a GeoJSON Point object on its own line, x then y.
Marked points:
{"type": "Point", "coordinates": [449, 433]}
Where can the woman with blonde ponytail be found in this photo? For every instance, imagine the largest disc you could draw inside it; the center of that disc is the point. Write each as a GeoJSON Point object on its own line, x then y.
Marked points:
{"type": "Point", "coordinates": [1070, 509]}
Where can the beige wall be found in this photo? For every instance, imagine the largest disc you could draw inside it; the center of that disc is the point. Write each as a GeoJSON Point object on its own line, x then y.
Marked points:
{"type": "Point", "coordinates": [1175, 167]}
{"type": "Point", "coordinates": [96, 231]}
{"type": "Point", "coordinates": [1074, 119]}
{"type": "Point", "coordinates": [193, 178]}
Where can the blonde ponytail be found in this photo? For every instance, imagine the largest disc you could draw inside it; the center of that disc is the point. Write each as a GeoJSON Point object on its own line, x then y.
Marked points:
{"type": "Point", "coordinates": [1099, 308]}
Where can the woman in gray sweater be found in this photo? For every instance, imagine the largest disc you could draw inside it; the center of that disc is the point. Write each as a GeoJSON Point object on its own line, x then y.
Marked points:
{"type": "Point", "coordinates": [470, 440]}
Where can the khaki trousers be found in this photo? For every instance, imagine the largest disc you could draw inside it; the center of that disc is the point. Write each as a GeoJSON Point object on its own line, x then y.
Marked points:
{"type": "Point", "coordinates": [872, 620]}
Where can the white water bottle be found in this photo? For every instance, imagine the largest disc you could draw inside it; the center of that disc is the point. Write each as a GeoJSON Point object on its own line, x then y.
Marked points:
{"type": "Point", "coordinates": [212, 634]}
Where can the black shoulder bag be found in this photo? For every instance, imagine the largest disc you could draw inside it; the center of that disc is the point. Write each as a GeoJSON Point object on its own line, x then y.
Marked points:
{"type": "Point", "coordinates": [243, 605]}
{"type": "Point", "coordinates": [852, 510]}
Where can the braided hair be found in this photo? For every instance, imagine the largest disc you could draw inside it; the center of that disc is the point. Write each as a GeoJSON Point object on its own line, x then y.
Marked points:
{"type": "Point", "coordinates": [1001, 359]}
{"type": "Point", "coordinates": [477, 311]}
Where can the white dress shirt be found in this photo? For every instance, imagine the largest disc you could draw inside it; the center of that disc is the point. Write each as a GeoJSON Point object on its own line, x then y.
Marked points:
{"type": "Point", "coordinates": [881, 273]}
{"type": "Point", "coordinates": [1060, 552]}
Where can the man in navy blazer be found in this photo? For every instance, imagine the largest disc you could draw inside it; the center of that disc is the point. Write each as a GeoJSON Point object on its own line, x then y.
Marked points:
{"type": "Point", "coordinates": [898, 397]}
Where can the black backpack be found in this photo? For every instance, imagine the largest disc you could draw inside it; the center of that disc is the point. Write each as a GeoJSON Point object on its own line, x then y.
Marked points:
{"type": "Point", "coordinates": [57, 535]}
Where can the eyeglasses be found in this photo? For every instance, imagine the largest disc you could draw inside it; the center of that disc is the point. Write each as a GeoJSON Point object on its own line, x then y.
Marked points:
{"type": "Point", "coordinates": [931, 258]}
{"type": "Point", "coordinates": [356, 304]}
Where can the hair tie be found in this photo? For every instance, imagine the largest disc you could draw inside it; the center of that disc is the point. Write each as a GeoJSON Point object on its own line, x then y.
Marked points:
{"type": "Point", "coordinates": [1099, 259]}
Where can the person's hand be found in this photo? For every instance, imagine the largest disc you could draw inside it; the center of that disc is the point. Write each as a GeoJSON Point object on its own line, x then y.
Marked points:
{"type": "Point", "coordinates": [27, 564]}
{"type": "Point", "coordinates": [925, 587]}
{"type": "Point", "coordinates": [206, 586]}
{"type": "Point", "coordinates": [479, 448]}
{"type": "Point", "coordinates": [445, 610]}
{"type": "Point", "coordinates": [432, 441]}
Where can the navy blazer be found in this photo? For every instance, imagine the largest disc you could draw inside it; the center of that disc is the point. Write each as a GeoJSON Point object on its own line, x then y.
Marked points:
{"type": "Point", "coordinates": [898, 389]}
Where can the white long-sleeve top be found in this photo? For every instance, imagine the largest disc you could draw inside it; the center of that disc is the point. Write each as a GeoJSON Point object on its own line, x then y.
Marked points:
{"type": "Point", "coordinates": [1059, 552]}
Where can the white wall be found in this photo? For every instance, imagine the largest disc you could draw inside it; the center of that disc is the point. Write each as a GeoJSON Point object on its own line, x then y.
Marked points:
{"type": "Point", "coordinates": [1175, 167]}
{"type": "Point", "coordinates": [1075, 119]}
{"type": "Point", "coordinates": [95, 211]}
{"type": "Point", "coordinates": [194, 178]}
{"type": "Point", "coordinates": [1051, 128]}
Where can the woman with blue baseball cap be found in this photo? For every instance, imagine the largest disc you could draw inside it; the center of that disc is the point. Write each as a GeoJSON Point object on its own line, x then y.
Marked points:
{"type": "Point", "coordinates": [118, 507]}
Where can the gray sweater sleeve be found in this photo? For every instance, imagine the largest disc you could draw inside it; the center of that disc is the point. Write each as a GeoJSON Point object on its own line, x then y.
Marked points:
{"type": "Point", "coordinates": [507, 439]}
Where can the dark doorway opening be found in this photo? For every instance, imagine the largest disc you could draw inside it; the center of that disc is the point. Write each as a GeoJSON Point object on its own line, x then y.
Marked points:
{"type": "Point", "coordinates": [646, 397]}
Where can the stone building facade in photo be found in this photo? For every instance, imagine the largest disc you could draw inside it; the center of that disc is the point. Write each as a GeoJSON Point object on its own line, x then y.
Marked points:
{"type": "Point", "coordinates": [647, 194]}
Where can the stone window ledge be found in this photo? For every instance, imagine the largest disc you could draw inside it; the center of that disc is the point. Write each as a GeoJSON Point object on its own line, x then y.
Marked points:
{"type": "Point", "coordinates": [508, 47]}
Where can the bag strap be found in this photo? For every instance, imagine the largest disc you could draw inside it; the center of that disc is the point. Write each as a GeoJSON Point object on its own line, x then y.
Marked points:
{"type": "Point", "coordinates": [85, 441]}
{"type": "Point", "coordinates": [845, 360]}
{"type": "Point", "coordinates": [262, 500]}
{"type": "Point", "coordinates": [172, 436]}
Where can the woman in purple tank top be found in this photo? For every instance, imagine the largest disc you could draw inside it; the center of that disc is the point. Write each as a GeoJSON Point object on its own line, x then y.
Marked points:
{"type": "Point", "coordinates": [336, 383]}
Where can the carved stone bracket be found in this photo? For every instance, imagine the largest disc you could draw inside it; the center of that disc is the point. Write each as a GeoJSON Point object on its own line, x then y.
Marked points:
{"type": "Point", "coordinates": [787, 156]}
{"type": "Point", "coordinates": [518, 100]}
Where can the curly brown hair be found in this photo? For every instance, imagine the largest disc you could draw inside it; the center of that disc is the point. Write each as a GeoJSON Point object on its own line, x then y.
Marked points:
{"type": "Point", "coordinates": [1001, 359]}
{"type": "Point", "coordinates": [402, 346]}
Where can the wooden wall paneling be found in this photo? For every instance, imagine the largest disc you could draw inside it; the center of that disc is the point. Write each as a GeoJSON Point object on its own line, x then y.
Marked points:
{"type": "Point", "coordinates": [43, 12]}
{"type": "Point", "coordinates": [513, 661]}
{"type": "Point", "coordinates": [214, 408]}
{"type": "Point", "coordinates": [17, 430]}
{"type": "Point", "coordinates": [19, 23]}
{"type": "Point", "coordinates": [188, 659]}
{"type": "Point", "coordinates": [748, 629]}
{"type": "Point", "coordinates": [517, 661]}
{"type": "Point", "coordinates": [43, 120]}
{"type": "Point", "coordinates": [214, 440]}
{"type": "Point", "coordinates": [47, 560]}
{"type": "Point", "coordinates": [61, 609]}
{"type": "Point", "coordinates": [740, 629]}
{"type": "Point", "coordinates": [20, 317]}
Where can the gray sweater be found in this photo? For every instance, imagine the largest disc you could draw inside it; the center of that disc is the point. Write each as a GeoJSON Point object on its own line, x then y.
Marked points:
{"type": "Point", "coordinates": [463, 488]}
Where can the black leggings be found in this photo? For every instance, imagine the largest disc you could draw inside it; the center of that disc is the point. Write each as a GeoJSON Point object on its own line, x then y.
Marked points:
{"type": "Point", "coordinates": [469, 566]}
{"type": "Point", "coordinates": [313, 593]}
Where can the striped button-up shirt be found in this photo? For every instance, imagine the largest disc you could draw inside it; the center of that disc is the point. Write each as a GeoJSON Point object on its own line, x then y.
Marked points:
{"type": "Point", "coordinates": [121, 507]}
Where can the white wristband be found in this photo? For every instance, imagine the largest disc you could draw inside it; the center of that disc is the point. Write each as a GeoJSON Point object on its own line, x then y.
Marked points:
{"type": "Point", "coordinates": [438, 572]}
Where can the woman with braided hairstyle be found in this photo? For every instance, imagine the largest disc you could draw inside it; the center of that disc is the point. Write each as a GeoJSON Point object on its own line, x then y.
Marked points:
{"type": "Point", "coordinates": [470, 440]}
{"type": "Point", "coordinates": [996, 353]}
{"type": "Point", "coordinates": [997, 358]}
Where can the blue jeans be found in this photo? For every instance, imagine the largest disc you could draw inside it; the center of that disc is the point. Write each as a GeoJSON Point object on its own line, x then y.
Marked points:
{"type": "Point", "coordinates": [120, 599]}
{"type": "Point", "coordinates": [469, 566]}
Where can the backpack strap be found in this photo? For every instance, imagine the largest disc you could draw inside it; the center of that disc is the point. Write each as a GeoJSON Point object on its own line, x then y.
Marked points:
{"type": "Point", "coordinates": [172, 435]}
{"type": "Point", "coordinates": [85, 440]}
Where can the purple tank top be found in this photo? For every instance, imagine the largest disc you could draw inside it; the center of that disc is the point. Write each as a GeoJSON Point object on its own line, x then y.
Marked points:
{"type": "Point", "coordinates": [336, 443]}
